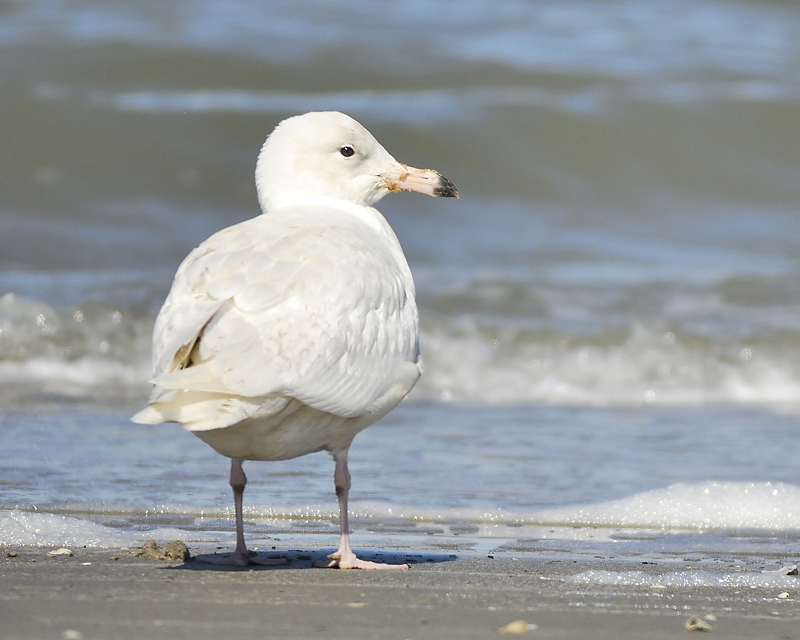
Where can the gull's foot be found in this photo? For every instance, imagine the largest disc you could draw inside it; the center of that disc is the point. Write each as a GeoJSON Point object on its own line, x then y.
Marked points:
{"type": "Point", "coordinates": [350, 561]}
{"type": "Point", "coordinates": [238, 559]}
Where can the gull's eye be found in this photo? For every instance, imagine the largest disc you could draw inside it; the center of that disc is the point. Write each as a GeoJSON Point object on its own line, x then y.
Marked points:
{"type": "Point", "coordinates": [347, 151]}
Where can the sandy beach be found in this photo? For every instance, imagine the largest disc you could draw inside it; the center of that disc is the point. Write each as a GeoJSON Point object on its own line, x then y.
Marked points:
{"type": "Point", "coordinates": [105, 594]}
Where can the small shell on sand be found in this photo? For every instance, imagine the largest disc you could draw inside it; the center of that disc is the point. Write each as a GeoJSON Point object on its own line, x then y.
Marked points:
{"type": "Point", "coordinates": [697, 624]}
{"type": "Point", "coordinates": [60, 553]}
{"type": "Point", "coordinates": [518, 626]}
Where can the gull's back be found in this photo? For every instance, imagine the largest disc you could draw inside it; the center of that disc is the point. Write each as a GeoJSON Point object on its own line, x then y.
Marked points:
{"type": "Point", "coordinates": [307, 306]}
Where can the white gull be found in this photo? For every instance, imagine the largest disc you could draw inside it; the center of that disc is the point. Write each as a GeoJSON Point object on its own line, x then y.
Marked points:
{"type": "Point", "coordinates": [291, 332]}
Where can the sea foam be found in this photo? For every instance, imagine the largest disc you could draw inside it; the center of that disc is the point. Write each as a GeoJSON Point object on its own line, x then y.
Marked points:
{"type": "Point", "coordinates": [25, 528]}
{"type": "Point", "coordinates": [738, 510]}
{"type": "Point", "coordinates": [93, 349]}
{"type": "Point", "coordinates": [711, 505]}
{"type": "Point", "coordinates": [690, 578]}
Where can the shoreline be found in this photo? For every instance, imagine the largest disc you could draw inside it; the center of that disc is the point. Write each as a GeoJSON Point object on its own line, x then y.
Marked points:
{"type": "Point", "coordinates": [91, 595]}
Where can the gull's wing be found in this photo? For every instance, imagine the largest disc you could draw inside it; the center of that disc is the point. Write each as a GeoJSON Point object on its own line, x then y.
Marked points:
{"type": "Point", "coordinates": [313, 305]}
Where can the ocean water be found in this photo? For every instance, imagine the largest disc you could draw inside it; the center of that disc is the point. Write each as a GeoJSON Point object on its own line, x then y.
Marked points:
{"type": "Point", "coordinates": [610, 313]}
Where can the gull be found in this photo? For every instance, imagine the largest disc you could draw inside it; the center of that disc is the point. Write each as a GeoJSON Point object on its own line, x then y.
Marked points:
{"type": "Point", "coordinates": [293, 331]}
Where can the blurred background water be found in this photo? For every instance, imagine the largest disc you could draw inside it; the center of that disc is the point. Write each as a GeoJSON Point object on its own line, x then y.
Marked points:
{"type": "Point", "coordinates": [611, 308]}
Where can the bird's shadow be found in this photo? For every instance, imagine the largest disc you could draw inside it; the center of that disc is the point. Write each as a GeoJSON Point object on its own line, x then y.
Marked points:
{"type": "Point", "coordinates": [297, 559]}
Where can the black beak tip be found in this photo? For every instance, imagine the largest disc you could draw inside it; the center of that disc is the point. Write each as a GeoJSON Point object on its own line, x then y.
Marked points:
{"type": "Point", "coordinates": [446, 189]}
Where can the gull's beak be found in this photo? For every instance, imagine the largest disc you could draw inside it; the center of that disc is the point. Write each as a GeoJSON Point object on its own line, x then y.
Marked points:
{"type": "Point", "coordinates": [426, 181]}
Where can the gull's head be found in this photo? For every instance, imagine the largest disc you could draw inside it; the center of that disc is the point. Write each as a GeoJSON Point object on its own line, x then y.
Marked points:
{"type": "Point", "coordinates": [330, 155]}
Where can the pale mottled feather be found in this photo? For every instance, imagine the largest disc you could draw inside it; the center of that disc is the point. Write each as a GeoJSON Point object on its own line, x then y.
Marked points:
{"type": "Point", "coordinates": [313, 305]}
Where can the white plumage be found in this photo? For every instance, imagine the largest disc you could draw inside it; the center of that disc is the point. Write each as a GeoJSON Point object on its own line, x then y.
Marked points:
{"type": "Point", "coordinates": [291, 332]}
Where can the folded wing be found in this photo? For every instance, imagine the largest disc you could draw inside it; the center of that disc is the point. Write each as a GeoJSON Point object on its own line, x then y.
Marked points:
{"type": "Point", "coordinates": [314, 306]}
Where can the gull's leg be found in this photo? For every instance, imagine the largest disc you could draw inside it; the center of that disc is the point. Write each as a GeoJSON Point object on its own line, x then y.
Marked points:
{"type": "Point", "coordinates": [241, 556]}
{"type": "Point", "coordinates": [344, 558]}
{"type": "Point", "coordinates": [238, 482]}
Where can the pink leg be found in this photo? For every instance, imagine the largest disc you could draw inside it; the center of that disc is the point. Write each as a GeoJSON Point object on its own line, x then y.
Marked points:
{"type": "Point", "coordinates": [344, 558]}
{"type": "Point", "coordinates": [238, 482]}
{"type": "Point", "coordinates": [241, 556]}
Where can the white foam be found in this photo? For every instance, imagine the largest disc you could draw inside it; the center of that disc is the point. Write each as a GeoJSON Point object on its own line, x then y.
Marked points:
{"type": "Point", "coordinates": [466, 362]}
{"type": "Point", "coordinates": [709, 505]}
{"type": "Point", "coordinates": [78, 374]}
{"type": "Point", "coordinates": [704, 506]}
{"type": "Point", "coordinates": [691, 578]}
{"type": "Point", "coordinates": [638, 521]}
{"type": "Point", "coordinates": [97, 349]}
{"type": "Point", "coordinates": [47, 529]}
{"type": "Point", "coordinates": [25, 528]}
{"type": "Point", "coordinates": [77, 352]}
{"type": "Point", "coordinates": [761, 506]}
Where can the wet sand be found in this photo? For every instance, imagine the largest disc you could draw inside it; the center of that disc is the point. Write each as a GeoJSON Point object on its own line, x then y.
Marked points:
{"type": "Point", "coordinates": [98, 594]}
